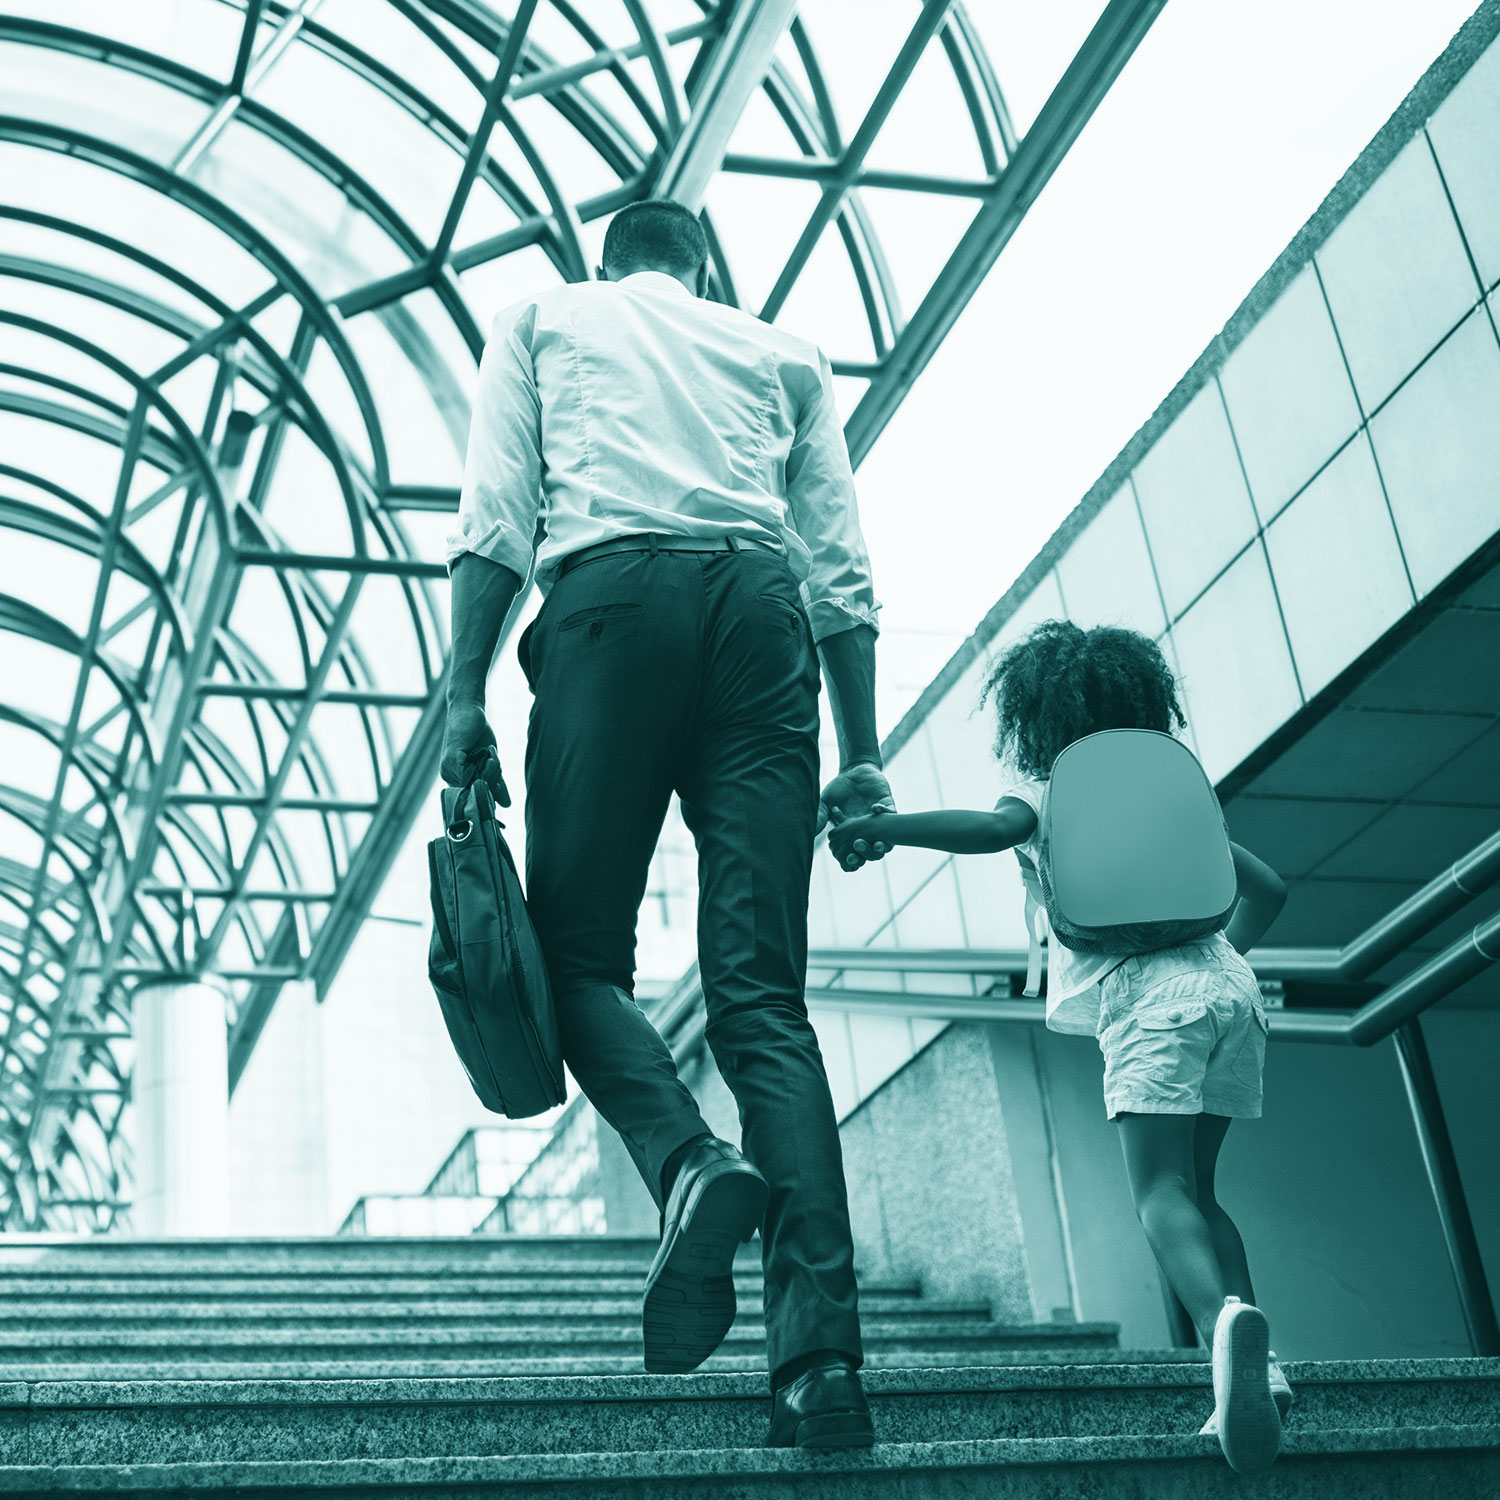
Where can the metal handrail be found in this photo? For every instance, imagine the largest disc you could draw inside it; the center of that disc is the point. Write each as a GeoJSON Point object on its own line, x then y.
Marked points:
{"type": "Point", "coordinates": [1476, 872]}
{"type": "Point", "coordinates": [1395, 1012]}
{"type": "Point", "coordinates": [1379, 1018]}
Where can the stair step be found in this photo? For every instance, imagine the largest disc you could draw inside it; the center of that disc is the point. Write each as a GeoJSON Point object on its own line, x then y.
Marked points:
{"type": "Point", "coordinates": [428, 1263]}
{"type": "Point", "coordinates": [476, 1341]}
{"type": "Point", "coordinates": [202, 1365]}
{"type": "Point", "coordinates": [1324, 1465]}
{"type": "Point", "coordinates": [537, 1255]}
{"type": "Point", "coordinates": [144, 1422]}
{"type": "Point", "coordinates": [17, 1246]}
{"type": "Point", "coordinates": [317, 1288]}
{"type": "Point", "coordinates": [397, 1312]}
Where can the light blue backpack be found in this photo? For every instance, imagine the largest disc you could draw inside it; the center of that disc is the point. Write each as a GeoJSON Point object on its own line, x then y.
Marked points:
{"type": "Point", "coordinates": [1133, 852]}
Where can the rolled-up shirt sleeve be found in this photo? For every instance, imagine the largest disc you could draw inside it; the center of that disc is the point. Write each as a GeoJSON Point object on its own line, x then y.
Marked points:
{"type": "Point", "coordinates": [824, 513]}
{"type": "Point", "coordinates": [502, 489]}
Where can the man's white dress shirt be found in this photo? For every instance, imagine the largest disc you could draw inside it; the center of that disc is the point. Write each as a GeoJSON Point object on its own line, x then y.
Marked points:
{"type": "Point", "coordinates": [612, 408]}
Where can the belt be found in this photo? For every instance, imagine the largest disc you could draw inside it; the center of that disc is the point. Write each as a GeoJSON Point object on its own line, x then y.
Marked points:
{"type": "Point", "coordinates": [654, 542]}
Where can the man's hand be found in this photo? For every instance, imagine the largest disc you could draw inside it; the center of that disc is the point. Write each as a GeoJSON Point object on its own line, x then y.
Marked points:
{"type": "Point", "coordinates": [857, 792]}
{"type": "Point", "coordinates": [469, 743]}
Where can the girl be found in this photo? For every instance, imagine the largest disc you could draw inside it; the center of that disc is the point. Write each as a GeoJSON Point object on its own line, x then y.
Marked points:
{"type": "Point", "coordinates": [1182, 1029]}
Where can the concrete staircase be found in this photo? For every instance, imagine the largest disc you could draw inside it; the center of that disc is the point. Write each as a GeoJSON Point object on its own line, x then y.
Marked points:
{"type": "Point", "coordinates": [495, 1366]}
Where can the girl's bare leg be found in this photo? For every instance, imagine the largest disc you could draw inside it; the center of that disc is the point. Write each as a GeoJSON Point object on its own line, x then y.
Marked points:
{"type": "Point", "coordinates": [1161, 1164]}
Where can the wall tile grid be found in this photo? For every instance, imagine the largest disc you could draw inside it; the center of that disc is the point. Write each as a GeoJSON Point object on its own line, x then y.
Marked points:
{"type": "Point", "coordinates": [1361, 406]}
{"type": "Point", "coordinates": [1463, 133]}
{"type": "Point", "coordinates": [1338, 466]}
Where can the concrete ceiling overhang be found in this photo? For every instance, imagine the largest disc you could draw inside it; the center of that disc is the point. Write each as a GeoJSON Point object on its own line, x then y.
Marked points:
{"type": "Point", "coordinates": [1386, 778]}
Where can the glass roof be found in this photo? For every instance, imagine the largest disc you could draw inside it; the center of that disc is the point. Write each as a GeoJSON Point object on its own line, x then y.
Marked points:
{"type": "Point", "coordinates": [248, 251]}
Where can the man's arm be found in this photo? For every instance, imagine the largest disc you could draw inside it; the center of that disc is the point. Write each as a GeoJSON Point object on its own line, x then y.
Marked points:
{"type": "Point", "coordinates": [482, 595]}
{"type": "Point", "coordinates": [860, 788]}
{"type": "Point", "coordinates": [840, 599]}
{"type": "Point", "coordinates": [489, 556]}
{"type": "Point", "coordinates": [849, 667]}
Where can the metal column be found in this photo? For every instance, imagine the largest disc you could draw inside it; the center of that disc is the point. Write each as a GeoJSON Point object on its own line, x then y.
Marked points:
{"type": "Point", "coordinates": [1447, 1189]}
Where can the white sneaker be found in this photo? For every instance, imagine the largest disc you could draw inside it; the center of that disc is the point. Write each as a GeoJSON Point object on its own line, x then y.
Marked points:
{"type": "Point", "coordinates": [1281, 1390]}
{"type": "Point", "coordinates": [1249, 1424]}
{"type": "Point", "coordinates": [1281, 1394]}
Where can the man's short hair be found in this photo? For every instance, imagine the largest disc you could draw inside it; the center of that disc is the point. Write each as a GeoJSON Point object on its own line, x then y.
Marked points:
{"type": "Point", "coordinates": [656, 234]}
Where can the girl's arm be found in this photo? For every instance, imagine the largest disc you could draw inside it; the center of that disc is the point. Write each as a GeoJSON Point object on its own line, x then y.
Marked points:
{"type": "Point", "coordinates": [1262, 895]}
{"type": "Point", "coordinates": [959, 831]}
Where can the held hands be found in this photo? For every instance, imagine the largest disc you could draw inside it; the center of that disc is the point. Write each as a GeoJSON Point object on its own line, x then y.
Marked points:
{"type": "Point", "coordinates": [855, 840]}
{"type": "Point", "coordinates": [469, 744]}
{"type": "Point", "coordinates": [852, 801]}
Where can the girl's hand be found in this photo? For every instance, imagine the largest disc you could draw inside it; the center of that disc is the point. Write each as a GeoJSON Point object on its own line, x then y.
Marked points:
{"type": "Point", "coordinates": [853, 841]}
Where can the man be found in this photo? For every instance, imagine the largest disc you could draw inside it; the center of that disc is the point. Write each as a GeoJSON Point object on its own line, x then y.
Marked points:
{"type": "Point", "coordinates": [682, 467]}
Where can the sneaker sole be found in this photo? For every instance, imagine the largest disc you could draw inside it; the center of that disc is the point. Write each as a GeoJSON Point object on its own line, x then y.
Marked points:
{"type": "Point", "coordinates": [1249, 1424]}
{"type": "Point", "coordinates": [689, 1303]}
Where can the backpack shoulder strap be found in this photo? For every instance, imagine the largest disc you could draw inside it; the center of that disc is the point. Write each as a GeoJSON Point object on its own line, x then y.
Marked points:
{"type": "Point", "coordinates": [1036, 924]}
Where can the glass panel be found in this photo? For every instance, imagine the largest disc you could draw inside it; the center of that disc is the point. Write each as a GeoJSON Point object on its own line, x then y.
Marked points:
{"type": "Point", "coordinates": [758, 221]}
{"type": "Point", "coordinates": [933, 918]}
{"type": "Point", "coordinates": [882, 1044]}
{"type": "Point", "coordinates": [862, 902]}
{"type": "Point", "coordinates": [1107, 577]}
{"type": "Point", "coordinates": [95, 98]}
{"type": "Point", "coordinates": [832, 1028]}
{"type": "Point", "coordinates": [1237, 675]}
{"type": "Point", "coordinates": [931, 107]}
{"type": "Point", "coordinates": [1438, 444]}
{"type": "Point", "coordinates": [914, 781]}
{"type": "Point", "coordinates": [1031, 46]}
{"type": "Point", "coordinates": [306, 217]}
{"type": "Point", "coordinates": [204, 37]}
{"type": "Point", "coordinates": [966, 771]}
{"type": "Point", "coordinates": [1338, 567]}
{"type": "Point", "coordinates": [825, 304]}
{"type": "Point", "coordinates": [1463, 134]}
{"type": "Point", "coordinates": [77, 191]}
{"type": "Point", "coordinates": [1193, 498]}
{"type": "Point", "coordinates": [1044, 602]}
{"type": "Point", "coordinates": [365, 128]}
{"type": "Point", "coordinates": [1396, 274]}
{"type": "Point", "coordinates": [1288, 394]}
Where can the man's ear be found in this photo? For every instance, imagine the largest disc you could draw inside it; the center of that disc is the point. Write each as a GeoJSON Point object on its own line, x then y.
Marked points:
{"type": "Point", "coordinates": [600, 274]}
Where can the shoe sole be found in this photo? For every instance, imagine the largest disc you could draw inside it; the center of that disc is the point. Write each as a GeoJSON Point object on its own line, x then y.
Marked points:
{"type": "Point", "coordinates": [689, 1303]}
{"type": "Point", "coordinates": [1249, 1424]}
{"type": "Point", "coordinates": [836, 1429]}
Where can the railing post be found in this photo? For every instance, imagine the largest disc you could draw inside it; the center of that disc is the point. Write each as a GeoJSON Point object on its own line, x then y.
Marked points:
{"type": "Point", "coordinates": [1447, 1189]}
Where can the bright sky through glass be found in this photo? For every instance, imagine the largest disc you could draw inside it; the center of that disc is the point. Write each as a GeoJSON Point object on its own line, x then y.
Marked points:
{"type": "Point", "coordinates": [1223, 134]}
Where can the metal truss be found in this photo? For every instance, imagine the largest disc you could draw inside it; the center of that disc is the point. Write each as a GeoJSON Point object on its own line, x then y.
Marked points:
{"type": "Point", "coordinates": [214, 742]}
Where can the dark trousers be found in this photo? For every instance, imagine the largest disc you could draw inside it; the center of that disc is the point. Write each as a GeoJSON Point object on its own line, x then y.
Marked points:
{"type": "Point", "coordinates": [693, 673]}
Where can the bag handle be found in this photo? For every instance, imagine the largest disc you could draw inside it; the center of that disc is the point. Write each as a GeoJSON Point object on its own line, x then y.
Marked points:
{"type": "Point", "coordinates": [467, 805]}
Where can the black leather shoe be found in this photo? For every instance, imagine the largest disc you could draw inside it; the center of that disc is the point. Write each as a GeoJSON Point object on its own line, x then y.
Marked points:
{"type": "Point", "coordinates": [718, 1200]}
{"type": "Point", "coordinates": [824, 1407]}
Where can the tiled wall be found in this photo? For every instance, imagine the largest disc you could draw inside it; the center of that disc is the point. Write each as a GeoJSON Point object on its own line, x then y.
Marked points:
{"type": "Point", "coordinates": [1330, 460]}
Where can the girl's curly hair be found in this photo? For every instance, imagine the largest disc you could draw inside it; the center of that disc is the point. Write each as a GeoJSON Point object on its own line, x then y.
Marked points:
{"type": "Point", "coordinates": [1061, 683]}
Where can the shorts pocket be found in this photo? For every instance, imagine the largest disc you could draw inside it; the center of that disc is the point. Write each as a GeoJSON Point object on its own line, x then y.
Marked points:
{"type": "Point", "coordinates": [1170, 1017]}
{"type": "Point", "coordinates": [1163, 1043]}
